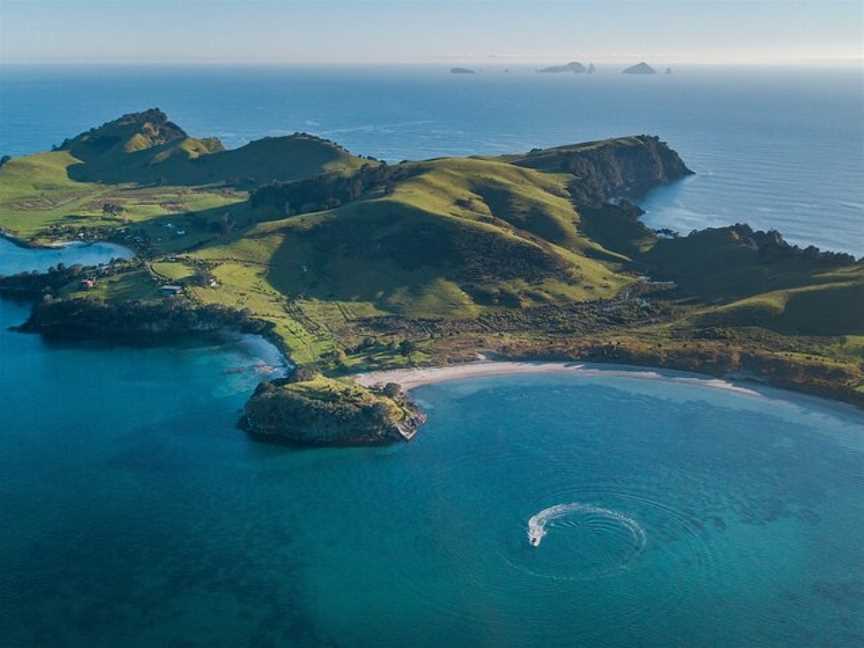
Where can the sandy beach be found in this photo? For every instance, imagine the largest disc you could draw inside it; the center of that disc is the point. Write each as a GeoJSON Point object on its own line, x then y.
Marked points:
{"type": "Point", "coordinates": [415, 377]}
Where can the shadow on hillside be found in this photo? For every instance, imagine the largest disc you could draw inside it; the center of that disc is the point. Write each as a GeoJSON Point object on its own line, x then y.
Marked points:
{"type": "Point", "coordinates": [263, 161]}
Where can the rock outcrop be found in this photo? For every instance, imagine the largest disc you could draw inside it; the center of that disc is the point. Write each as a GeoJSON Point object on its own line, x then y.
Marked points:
{"type": "Point", "coordinates": [315, 410]}
{"type": "Point", "coordinates": [605, 170]}
{"type": "Point", "coordinates": [131, 132]}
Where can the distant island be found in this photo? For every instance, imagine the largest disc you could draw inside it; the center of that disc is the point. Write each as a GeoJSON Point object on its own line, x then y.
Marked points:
{"type": "Point", "coordinates": [351, 265]}
{"type": "Point", "coordinates": [640, 68]}
{"type": "Point", "coordinates": [462, 70]}
{"type": "Point", "coordinates": [574, 67]}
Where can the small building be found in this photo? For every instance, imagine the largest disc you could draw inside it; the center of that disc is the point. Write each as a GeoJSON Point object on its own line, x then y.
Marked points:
{"type": "Point", "coordinates": [87, 284]}
{"type": "Point", "coordinates": [170, 290]}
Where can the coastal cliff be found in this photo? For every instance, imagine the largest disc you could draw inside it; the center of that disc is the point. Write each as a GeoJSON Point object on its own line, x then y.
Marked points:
{"type": "Point", "coordinates": [626, 167]}
{"type": "Point", "coordinates": [314, 410]}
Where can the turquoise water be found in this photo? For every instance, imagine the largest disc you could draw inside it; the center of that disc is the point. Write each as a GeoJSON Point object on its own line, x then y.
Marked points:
{"type": "Point", "coordinates": [14, 259]}
{"type": "Point", "coordinates": [774, 147]}
{"type": "Point", "coordinates": [134, 513]}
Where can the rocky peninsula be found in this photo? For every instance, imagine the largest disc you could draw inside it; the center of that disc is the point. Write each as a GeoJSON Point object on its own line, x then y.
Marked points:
{"type": "Point", "coordinates": [353, 266]}
{"type": "Point", "coordinates": [310, 409]}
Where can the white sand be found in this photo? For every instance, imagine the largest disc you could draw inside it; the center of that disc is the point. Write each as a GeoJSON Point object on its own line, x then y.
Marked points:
{"type": "Point", "coordinates": [412, 378]}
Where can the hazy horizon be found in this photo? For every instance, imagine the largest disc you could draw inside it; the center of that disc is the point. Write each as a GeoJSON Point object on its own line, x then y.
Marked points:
{"type": "Point", "coordinates": [764, 32]}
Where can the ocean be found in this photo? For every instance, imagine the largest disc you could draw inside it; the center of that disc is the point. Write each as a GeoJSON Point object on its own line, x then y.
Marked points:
{"type": "Point", "coordinates": [669, 510]}
{"type": "Point", "coordinates": [776, 147]}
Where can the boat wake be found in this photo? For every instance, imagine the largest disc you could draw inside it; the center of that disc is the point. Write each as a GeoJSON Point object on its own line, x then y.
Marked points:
{"type": "Point", "coordinates": [537, 523]}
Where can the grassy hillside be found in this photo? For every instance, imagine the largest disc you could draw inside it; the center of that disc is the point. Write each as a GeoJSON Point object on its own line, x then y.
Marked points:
{"type": "Point", "coordinates": [37, 198]}
{"type": "Point", "coordinates": [145, 167]}
{"type": "Point", "coordinates": [456, 238]}
{"type": "Point", "coordinates": [832, 305]}
{"type": "Point", "coordinates": [146, 147]}
{"type": "Point", "coordinates": [200, 162]}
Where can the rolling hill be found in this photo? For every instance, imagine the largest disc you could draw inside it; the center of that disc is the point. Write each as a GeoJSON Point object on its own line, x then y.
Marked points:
{"type": "Point", "coordinates": [149, 167]}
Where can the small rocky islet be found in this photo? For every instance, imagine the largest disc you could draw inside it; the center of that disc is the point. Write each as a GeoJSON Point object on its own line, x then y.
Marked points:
{"type": "Point", "coordinates": [349, 264]}
{"type": "Point", "coordinates": [574, 67]}
{"type": "Point", "coordinates": [639, 68]}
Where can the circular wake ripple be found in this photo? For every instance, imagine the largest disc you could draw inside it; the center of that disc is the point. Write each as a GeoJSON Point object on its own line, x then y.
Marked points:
{"type": "Point", "coordinates": [634, 532]}
{"type": "Point", "coordinates": [603, 542]}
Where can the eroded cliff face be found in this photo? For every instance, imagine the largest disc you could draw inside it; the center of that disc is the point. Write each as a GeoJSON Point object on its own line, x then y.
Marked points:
{"type": "Point", "coordinates": [626, 167]}
{"type": "Point", "coordinates": [322, 411]}
{"type": "Point", "coordinates": [135, 320]}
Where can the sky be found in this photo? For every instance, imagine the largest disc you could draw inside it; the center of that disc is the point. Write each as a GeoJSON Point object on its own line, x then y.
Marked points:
{"type": "Point", "coordinates": [431, 31]}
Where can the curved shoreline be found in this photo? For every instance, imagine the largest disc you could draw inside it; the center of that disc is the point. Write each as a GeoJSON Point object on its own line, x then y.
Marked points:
{"type": "Point", "coordinates": [28, 244]}
{"type": "Point", "coordinates": [410, 379]}
{"type": "Point", "coordinates": [413, 378]}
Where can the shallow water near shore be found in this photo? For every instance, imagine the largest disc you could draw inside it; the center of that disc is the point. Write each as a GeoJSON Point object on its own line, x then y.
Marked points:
{"type": "Point", "coordinates": [15, 258]}
{"type": "Point", "coordinates": [136, 514]}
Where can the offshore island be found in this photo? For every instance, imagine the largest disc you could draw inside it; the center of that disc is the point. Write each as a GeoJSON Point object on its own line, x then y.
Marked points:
{"type": "Point", "coordinates": [353, 267]}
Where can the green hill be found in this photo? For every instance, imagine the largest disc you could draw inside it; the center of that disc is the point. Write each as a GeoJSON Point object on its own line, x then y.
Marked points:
{"type": "Point", "coordinates": [148, 167]}
{"type": "Point", "coordinates": [452, 239]}
{"type": "Point", "coordinates": [147, 148]}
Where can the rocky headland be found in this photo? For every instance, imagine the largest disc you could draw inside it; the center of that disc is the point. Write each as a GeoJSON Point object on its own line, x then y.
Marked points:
{"type": "Point", "coordinates": [310, 409]}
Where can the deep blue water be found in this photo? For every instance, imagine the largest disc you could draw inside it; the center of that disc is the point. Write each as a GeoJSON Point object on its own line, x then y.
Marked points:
{"type": "Point", "coordinates": [775, 147]}
{"type": "Point", "coordinates": [134, 513]}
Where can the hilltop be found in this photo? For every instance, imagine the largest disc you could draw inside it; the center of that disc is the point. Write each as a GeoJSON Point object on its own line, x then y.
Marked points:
{"type": "Point", "coordinates": [143, 166]}
{"type": "Point", "coordinates": [350, 264]}
{"type": "Point", "coordinates": [146, 147]}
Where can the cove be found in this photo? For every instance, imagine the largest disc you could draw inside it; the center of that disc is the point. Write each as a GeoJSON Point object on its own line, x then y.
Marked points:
{"type": "Point", "coordinates": [135, 513]}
